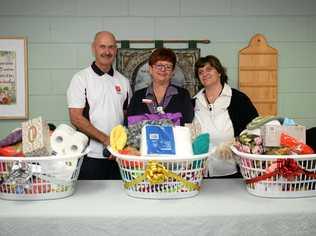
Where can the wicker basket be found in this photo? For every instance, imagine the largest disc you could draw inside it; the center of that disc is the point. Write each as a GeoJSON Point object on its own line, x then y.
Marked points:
{"type": "Point", "coordinates": [161, 177]}
{"type": "Point", "coordinates": [39, 178]}
{"type": "Point", "coordinates": [276, 176]}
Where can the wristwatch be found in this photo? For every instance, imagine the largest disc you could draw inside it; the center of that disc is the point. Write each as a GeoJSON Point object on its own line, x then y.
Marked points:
{"type": "Point", "coordinates": [106, 152]}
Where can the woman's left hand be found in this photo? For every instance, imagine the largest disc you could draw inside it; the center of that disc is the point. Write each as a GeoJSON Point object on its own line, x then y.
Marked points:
{"type": "Point", "coordinates": [223, 151]}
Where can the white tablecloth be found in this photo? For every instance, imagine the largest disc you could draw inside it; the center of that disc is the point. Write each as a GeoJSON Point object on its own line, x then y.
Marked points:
{"type": "Point", "coordinates": [223, 207]}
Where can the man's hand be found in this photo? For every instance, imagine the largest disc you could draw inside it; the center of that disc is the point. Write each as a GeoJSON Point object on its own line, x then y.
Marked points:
{"type": "Point", "coordinates": [107, 154]}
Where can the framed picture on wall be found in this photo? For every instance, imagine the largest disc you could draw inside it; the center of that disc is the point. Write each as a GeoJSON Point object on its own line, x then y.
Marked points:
{"type": "Point", "coordinates": [13, 78]}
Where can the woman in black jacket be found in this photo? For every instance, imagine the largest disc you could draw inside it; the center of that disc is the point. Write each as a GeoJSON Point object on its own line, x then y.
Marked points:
{"type": "Point", "coordinates": [221, 111]}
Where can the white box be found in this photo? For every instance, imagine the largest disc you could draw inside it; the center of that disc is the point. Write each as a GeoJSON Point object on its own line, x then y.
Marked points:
{"type": "Point", "coordinates": [35, 138]}
{"type": "Point", "coordinates": [271, 134]}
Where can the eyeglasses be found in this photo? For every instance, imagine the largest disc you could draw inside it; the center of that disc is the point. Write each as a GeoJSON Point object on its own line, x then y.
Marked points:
{"type": "Point", "coordinates": [162, 67]}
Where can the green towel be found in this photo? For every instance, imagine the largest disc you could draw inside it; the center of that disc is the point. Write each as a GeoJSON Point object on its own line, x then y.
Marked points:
{"type": "Point", "coordinates": [261, 120]}
{"type": "Point", "coordinates": [201, 144]}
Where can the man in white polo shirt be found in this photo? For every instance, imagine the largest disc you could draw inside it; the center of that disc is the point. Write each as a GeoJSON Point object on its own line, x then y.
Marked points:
{"type": "Point", "coordinates": [97, 97]}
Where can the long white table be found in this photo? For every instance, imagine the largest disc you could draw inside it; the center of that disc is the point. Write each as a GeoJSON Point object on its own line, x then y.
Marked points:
{"type": "Point", "coordinates": [223, 207]}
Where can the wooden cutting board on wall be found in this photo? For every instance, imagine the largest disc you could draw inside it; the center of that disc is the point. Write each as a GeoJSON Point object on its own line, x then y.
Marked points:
{"type": "Point", "coordinates": [258, 69]}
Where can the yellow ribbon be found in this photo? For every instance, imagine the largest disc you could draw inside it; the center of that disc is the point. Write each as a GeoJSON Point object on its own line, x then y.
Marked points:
{"type": "Point", "coordinates": [156, 173]}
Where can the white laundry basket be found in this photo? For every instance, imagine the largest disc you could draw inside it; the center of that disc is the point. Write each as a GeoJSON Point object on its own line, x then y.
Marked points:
{"type": "Point", "coordinates": [278, 176]}
{"type": "Point", "coordinates": [39, 178]}
{"type": "Point", "coordinates": [161, 177]}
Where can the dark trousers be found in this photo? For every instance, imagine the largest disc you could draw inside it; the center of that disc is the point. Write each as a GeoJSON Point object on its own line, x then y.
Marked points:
{"type": "Point", "coordinates": [311, 138]}
{"type": "Point", "coordinates": [233, 176]}
{"type": "Point", "coordinates": [98, 169]}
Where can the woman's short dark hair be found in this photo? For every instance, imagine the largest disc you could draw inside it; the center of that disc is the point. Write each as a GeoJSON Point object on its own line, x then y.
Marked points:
{"type": "Point", "coordinates": [163, 54]}
{"type": "Point", "coordinates": [214, 62]}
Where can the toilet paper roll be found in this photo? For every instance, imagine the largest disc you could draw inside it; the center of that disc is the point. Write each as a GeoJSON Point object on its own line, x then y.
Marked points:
{"type": "Point", "coordinates": [182, 136]}
{"type": "Point", "coordinates": [77, 143]}
{"type": "Point", "coordinates": [61, 138]}
{"type": "Point", "coordinates": [143, 142]}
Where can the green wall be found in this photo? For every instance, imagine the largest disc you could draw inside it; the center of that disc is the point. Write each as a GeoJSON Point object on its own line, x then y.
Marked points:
{"type": "Point", "coordinates": [59, 33]}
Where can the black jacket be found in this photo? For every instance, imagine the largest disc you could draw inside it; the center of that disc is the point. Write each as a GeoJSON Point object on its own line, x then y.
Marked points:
{"type": "Point", "coordinates": [241, 111]}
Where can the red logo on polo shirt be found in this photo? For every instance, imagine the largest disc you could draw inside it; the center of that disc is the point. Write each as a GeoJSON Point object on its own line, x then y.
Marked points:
{"type": "Point", "coordinates": [118, 88]}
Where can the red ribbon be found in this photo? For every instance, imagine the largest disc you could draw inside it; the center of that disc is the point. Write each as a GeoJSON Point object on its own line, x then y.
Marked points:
{"type": "Point", "coordinates": [287, 168]}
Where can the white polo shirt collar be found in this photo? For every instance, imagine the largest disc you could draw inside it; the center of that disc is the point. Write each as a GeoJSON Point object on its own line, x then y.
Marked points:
{"type": "Point", "coordinates": [222, 102]}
